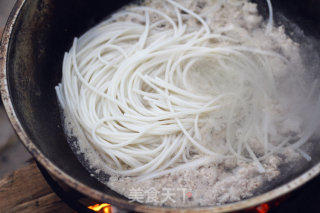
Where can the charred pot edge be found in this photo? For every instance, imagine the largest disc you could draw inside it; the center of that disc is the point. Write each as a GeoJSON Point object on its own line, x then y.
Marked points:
{"type": "Point", "coordinates": [53, 169]}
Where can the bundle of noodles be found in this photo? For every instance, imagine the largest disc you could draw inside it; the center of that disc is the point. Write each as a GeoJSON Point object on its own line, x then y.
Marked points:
{"type": "Point", "coordinates": [171, 85]}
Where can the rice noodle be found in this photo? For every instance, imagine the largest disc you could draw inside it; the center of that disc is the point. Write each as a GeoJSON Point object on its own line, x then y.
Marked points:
{"type": "Point", "coordinates": [270, 20]}
{"type": "Point", "coordinates": [129, 87]}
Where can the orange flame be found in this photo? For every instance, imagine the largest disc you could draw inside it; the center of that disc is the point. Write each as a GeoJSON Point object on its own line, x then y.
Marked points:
{"type": "Point", "coordinates": [263, 208]}
{"type": "Point", "coordinates": [101, 208]}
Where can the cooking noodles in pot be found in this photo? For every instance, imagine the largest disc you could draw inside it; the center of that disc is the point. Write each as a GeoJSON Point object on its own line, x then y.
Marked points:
{"type": "Point", "coordinates": [200, 102]}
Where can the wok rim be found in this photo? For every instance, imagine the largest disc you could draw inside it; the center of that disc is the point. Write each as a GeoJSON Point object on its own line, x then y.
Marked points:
{"type": "Point", "coordinates": [103, 197]}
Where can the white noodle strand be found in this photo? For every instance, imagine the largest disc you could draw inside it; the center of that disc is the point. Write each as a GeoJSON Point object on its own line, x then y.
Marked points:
{"type": "Point", "coordinates": [146, 87]}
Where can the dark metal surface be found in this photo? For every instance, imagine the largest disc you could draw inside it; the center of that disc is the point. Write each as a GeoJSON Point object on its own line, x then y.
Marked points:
{"type": "Point", "coordinates": [70, 196]}
{"type": "Point", "coordinates": [36, 36]}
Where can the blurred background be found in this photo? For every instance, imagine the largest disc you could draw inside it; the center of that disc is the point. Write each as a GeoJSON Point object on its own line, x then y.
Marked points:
{"type": "Point", "coordinates": [13, 155]}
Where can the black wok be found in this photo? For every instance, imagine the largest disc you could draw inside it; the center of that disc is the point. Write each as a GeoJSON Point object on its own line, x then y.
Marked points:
{"type": "Point", "coordinates": [37, 34]}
